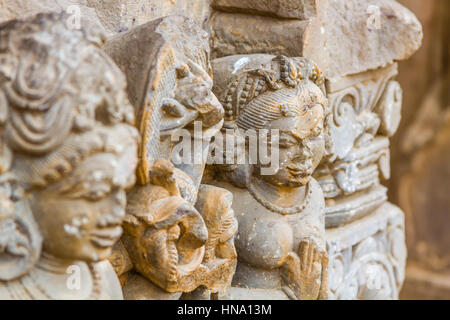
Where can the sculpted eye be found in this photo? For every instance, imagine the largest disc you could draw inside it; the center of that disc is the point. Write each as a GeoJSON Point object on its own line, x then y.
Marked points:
{"type": "Point", "coordinates": [287, 142]}
{"type": "Point", "coordinates": [95, 195]}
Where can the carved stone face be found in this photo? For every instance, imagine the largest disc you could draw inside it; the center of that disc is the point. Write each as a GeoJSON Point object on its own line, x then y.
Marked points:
{"type": "Point", "coordinates": [80, 216]}
{"type": "Point", "coordinates": [301, 146]}
{"type": "Point", "coordinates": [196, 109]}
{"type": "Point", "coordinates": [68, 152]}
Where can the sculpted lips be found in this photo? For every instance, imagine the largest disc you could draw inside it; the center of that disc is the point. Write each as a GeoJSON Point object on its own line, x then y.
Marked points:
{"type": "Point", "coordinates": [106, 237]}
{"type": "Point", "coordinates": [299, 171]}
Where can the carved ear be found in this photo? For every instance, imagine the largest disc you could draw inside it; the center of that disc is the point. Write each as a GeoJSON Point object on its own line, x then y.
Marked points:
{"type": "Point", "coordinates": [20, 239]}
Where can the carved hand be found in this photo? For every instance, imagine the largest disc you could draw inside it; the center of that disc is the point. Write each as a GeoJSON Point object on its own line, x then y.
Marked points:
{"type": "Point", "coordinates": [305, 272]}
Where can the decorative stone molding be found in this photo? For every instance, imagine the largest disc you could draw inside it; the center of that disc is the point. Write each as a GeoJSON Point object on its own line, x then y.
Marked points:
{"type": "Point", "coordinates": [368, 256]}
{"type": "Point", "coordinates": [365, 108]}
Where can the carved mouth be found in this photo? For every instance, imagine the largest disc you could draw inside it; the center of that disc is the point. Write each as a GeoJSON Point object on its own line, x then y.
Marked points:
{"type": "Point", "coordinates": [301, 171]}
{"type": "Point", "coordinates": [298, 172]}
{"type": "Point", "coordinates": [106, 237]}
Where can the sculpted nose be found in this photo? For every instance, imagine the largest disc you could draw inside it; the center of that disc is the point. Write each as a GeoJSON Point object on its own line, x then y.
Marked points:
{"type": "Point", "coordinates": [306, 149]}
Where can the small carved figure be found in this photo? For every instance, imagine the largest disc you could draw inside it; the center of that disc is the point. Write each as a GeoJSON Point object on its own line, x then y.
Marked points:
{"type": "Point", "coordinates": [178, 241]}
{"type": "Point", "coordinates": [281, 237]}
{"type": "Point", "coordinates": [68, 152]}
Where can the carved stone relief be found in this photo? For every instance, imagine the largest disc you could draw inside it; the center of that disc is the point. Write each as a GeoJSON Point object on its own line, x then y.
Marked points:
{"type": "Point", "coordinates": [365, 112]}
{"type": "Point", "coordinates": [185, 229]}
{"type": "Point", "coordinates": [364, 99]}
{"type": "Point", "coordinates": [356, 48]}
{"type": "Point", "coordinates": [368, 256]}
{"type": "Point", "coordinates": [74, 170]}
{"type": "Point", "coordinates": [68, 153]}
{"type": "Point", "coordinates": [280, 242]}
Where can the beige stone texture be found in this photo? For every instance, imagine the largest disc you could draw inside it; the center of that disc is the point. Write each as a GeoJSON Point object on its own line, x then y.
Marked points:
{"type": "Point", "coordinates": [113, 16]}
{"type": "Point", "coordinates": [300, 9]}
{"type": "Point", "coordinates": [364, 35]}
{"type": "Point", "coordinates": [237, 33]}
{"type": "Point", "coordinates": [354, 36]}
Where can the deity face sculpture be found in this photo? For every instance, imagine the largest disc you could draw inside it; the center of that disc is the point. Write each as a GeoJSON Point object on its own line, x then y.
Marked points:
{"type": "Point", "coordinates": [281, 231]}
{"type": "Point", "coordinates": [193, 101]}
{"type": "Point", "coordinates": [262, 93]}
{"type": "Point", "coordinates": [68, 141]}
{"type": "Point", "coordinates": [301, 143]}
{"type": "Point", "coordinates": [80, 217]}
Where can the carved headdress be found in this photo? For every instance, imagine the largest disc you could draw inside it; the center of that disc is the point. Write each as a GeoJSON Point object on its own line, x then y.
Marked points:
{"type": "Point", "coordinates": [261, 88]}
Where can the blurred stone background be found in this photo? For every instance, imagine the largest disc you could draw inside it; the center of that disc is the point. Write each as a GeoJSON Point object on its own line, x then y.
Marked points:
{"type": "Point", "coordinates": [420, 151]}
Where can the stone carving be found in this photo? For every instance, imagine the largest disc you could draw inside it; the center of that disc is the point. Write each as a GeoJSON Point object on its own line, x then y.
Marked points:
{"type": "Point", "coordinates": [280, 241]}
{"type": "Point", "coordinates": [365, 111]}
{"type": "Point", "coordinates": [68, 152]}
{"type": "Point", "coordinates": [364, 99]}
{"type": "Point", "coordinates": [368, 262]}
{"type": "Point", "coordinates": [179, 234]}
